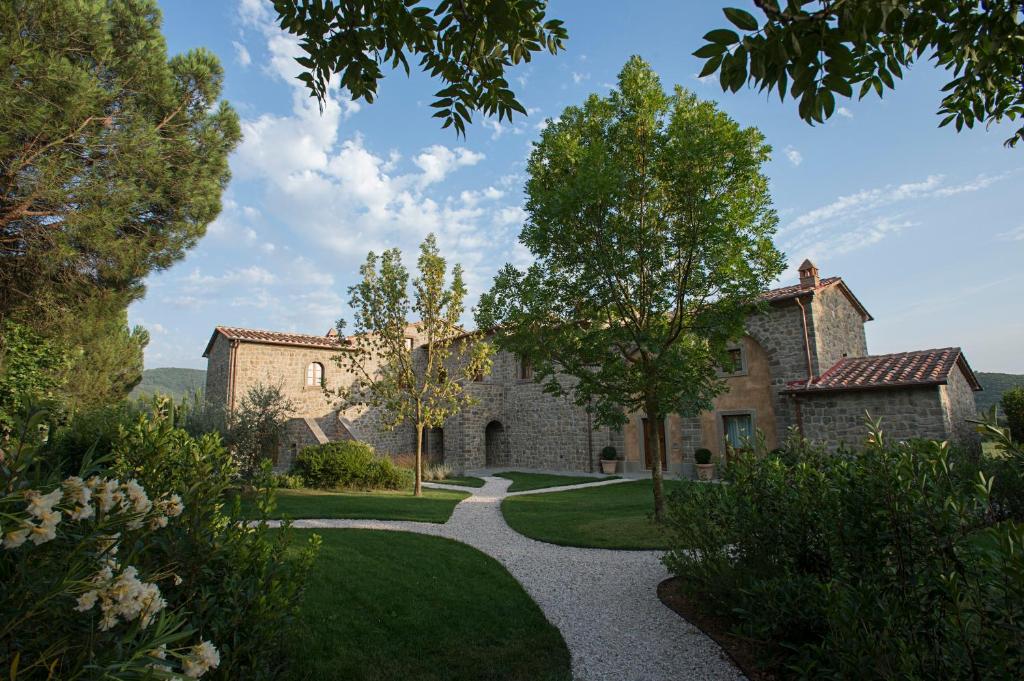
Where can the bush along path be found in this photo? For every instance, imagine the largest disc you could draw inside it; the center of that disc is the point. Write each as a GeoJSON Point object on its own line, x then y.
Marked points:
{"type": "Point", "coordinates": [604, 602]}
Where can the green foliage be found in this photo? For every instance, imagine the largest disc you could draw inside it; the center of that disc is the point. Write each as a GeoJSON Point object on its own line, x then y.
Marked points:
{"type": "Point", "coordinates": [823, 49]}
{"type": "Point", "coordinates": [349, 464]}
{"type": "Point", "coordinates": [289, 481]}
{"type": "Point", "coordinates": [174, 382]}
{"type": "Point", "coordinates": [468, 45]}
{"type": "Point", "coordinates": [255, 427]}
{"type": "Point", "coordinates": [422, 385]}
{"type": "Point", "coordinates": [107, 359]}
{"type": "Point", "coordinates": [88, 434]}
{"type": "Point", "coordinates": [30, 371]}
{"type": "Point", "coordinates": [993, 386]}
{"type": "Point", "coordinates": [239, 587]}
{"type": "Point", "coordinates": [651, 224]}
{"type": "Point", "coordinates": [609, 453]}
{"type": "Point", "coordinates": [702, 455]}
{"type": "Point", "coordinates": [888, 562]}
{"type": "Point", "coordinates": [1012, 403]}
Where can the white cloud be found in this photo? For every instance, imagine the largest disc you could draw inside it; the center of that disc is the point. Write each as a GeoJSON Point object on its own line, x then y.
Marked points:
{"type": "Point", "coordinates": [1012, 235]}
{"type": "Point", "coordinates": [578, 77]}
{"type": "Point", "coordinates": [241, 53]}
{"type": "Point", "coordinates": [794, 156]}
{"type": "Point", "coordinates": [438, 161]}
{"type": "Point", "coordinates": [844, 112]}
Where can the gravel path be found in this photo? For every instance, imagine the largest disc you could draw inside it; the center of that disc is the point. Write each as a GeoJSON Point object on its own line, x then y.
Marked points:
{"type": "Point", "coordinates": [604, 602]}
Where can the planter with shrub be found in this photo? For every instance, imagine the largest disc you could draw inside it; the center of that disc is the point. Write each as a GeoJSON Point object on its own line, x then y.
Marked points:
{"type": "Point", "coordinates": [705, 469]}
{"type": "Point", "coordinates": [609, 460]}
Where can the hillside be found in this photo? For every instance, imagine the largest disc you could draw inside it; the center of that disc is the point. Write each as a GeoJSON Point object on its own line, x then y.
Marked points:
{"type": "Point", "coordinates": [994, 386]}
{"type": "Point", "coordinates": [170, 381]}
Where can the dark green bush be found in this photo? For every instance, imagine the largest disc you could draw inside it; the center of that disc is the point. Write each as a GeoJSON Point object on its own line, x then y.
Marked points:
{"type": "Point", "coordinates": [349, 464]}
{"type": "Point", "coordinates": [702, 455]}
{"type": "Point", "coordinates": [883, 563]}
{"type": "Point", "coordinates": [609, 453]}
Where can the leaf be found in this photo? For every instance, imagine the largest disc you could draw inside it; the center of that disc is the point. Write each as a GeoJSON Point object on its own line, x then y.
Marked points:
{"type": "Point", "coordinates": [741, 19]}
{"type": "Point", "coordinates": [710, 50]}
{"type": "Point", "coordinates": [722, 36]}
{"type": "Point", "coordinates": [710, 67]}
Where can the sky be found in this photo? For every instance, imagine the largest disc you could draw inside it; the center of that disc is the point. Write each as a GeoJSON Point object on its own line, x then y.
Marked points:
{"type": "Point", "coordinates": [925, 225]}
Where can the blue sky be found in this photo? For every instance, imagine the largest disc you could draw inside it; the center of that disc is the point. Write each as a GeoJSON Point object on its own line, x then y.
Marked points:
{"type": "Point", "coordinates": [924, 224]}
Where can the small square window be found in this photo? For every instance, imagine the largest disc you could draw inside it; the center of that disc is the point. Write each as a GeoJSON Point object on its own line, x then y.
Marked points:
{"type": "Point", "coordinates": [408, 344]}
{"type": "Point", "coordinates": [525, 369]}
{"type": "Point", "coordinates": [738, 429]}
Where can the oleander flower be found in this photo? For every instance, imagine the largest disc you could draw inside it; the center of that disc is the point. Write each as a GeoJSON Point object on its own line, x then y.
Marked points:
{"type": "Point", "coordinates": [16, 538]}
{"type": "Point", "coordinates": [136, 496]}
{"type": "Point", "coordinates": [172, 506]}
{"type": "Point", "coordinates": [78, 494]}
{"type": "Point", "coordinates": [41, 504]}
{"type": "Point", "coordinates": [202, 658]}
{"type": "Point", "coordinates": [124, 597]}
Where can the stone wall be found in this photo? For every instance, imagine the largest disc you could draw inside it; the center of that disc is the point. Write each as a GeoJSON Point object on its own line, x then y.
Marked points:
{"type": "Point", "coordinates": [838, 328]}
{"type": "Point", "coordinates": [959, 405]}
{"type": "Point", "coordinates": [906, 413]}
{"type": "Point", "coordinates": [217, 368]}
{"type": "Point", "coordinates": [779, 331]}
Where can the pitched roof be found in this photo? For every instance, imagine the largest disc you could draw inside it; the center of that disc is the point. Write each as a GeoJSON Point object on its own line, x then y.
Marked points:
{"type": "Point", "coordinates": [776, 295]}
{"type": "Point", "coordinates": [329, 342]}
{"type": "Point", "coordinates": [898, 370]}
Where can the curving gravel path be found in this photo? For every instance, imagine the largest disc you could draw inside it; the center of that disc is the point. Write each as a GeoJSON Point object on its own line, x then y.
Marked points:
{"type": "Point", "coordinates": [604, 602]}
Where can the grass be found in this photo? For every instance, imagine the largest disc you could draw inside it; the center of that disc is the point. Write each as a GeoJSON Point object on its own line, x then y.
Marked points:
{"type": "Point", "coordinates": [607, 517]}
{"type": "Point", "coordinates": [523, 482]}
{"type": "Point", "coordinates": [435, 506]}
{"type": "Point", "coordinates": [462, 480]}
{"type": "Point", "coordinates": [393, 606]}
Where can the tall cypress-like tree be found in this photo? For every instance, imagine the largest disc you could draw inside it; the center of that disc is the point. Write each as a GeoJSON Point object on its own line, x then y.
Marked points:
{"type": "Point", "coordinates": [112, 159]}
{"type": "Point", "coordinates": [651, 225]}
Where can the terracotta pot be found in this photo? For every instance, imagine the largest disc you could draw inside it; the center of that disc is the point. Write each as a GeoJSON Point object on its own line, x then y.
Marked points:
{"type": "Point", "coordinates": [705, 471]}
{"type": "Point", "coordinates": [608, 466]}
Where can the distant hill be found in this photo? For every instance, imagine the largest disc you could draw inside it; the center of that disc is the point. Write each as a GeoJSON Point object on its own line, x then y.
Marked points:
{"type": "Point", "coordinates": [170, 381]}
{"type": "Point", "coordinates": [994, 386]}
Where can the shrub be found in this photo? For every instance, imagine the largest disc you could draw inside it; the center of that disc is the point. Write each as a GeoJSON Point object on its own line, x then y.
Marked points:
{"type": "Point", "coordinates": [256, 426]}
{"type": "Point", "coordinates": [881, 563]}
{"type": "Point", "coordinates": [289, 481]}
{"type": "Point", "coordinates": [609, 453]}
{"type": "Point", "coordinates": [702, 456]}
{"type": "Point", "coordinates": [349, 464]}
{"type": "Point", "coordinates": [90, 432]}
{"type": "Point", "coordinates": [1013, 406]}
{"type": "Point", "coordinates": [437, 472]}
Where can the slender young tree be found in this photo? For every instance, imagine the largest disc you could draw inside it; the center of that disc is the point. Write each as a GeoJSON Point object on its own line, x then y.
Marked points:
{"type": "Point", "coordinates": [651, 226]}
{"type": "Point", "coordinates": [420, 384]}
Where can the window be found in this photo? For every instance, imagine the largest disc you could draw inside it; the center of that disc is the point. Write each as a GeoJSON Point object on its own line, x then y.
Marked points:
{"type": "Point", "coordinates": [525, 369]}
{"type": "Point", "coordinates": [738, 429]}
{"type": "Point", "coordinates": [408, 344]}
{"type": "Point", "coordinates": [315, 374]}
{"type": "Point", "coordinates": [734, 362]}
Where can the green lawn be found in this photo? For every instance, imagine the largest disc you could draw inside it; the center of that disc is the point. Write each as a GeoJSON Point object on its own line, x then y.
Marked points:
{"type": "Point", "coordinates": [607, 517]}
{"type": "Point", "coordinates": [392, 605]}
{"type": "Point", "coordinates": [435, 506]}
{"type": "Point", "coordinates": [523, 482]}
{"type": "Point", "coordinates": [462, 480]}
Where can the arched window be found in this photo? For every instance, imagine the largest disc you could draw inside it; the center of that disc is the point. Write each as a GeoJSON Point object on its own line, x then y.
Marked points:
{"type": "Point", "coordinates": [315, 374]}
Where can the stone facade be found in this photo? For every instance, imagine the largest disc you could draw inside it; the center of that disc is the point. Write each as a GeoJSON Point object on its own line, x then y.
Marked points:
{"type": "Point", "coordinates": [800, 333]}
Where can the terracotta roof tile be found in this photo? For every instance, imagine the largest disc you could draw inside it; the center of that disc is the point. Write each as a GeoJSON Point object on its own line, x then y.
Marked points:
{"type": "Point", "coordinates": [795, 290]}
{"type": "Point", "coordinates": [276, 338]}
{"type": "Point", "coordinates": [901, 369]}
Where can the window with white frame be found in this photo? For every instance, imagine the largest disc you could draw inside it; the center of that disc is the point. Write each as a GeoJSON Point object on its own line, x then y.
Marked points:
{"type": "Point", "coordinates": [315, 374]}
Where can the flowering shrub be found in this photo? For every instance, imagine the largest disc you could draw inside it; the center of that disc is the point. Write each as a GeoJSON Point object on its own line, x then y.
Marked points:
{"type": "Point", "coordinates": [889, 562]}
{"type": "Point", "coordinates": [74, 603]}
{"type": "Point", "coordinates": [134, 569]}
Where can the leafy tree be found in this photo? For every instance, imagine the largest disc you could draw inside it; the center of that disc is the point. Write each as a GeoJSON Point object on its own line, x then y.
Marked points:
{"type": "Point", "coordinates": [823, 48]}
{"type": "Point", "coordinates": [419, 385]}
{"type": "Point", "coordinates": [468, 45]}
{"type": "Point", "coordinates": [30, 367]}
{"type": "Point", "coordinates": [108, 361]}
{"type": "Point", "coordinates": [255, 427]}
{"type": "Point", "coordinates": [651, 226]}
{"type": "Point", "coordinates": [112, 160]}
{"type": "Point", "coordinates": [1013, 406]}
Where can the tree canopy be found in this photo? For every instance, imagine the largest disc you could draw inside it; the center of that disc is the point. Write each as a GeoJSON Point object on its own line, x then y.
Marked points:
{"type": "Point", "coordinates": [816, 50]}
{"type": "Point", "coordinates": [112, 163]}
{"type": "Point", "coordinates": [391, 374]}
{"type": "Point", "coordinates": [467, 45]}
{"type": "Point", "coordinates": [651, 223]}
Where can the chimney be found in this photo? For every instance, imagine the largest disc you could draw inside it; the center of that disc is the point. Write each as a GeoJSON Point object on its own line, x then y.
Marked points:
{"type": "Point", "coordinates": [332, 333]}
{"type": "Point", "coordinates": [808, 275]}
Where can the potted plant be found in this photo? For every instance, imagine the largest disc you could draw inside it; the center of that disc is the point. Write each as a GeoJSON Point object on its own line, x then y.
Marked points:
{"type": "Point", "coordinates": [609, 459]}
{"type": "Point", "coordinates": [705, 469]}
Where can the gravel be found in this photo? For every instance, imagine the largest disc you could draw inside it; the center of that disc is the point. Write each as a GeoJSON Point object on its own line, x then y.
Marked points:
{"type": "Point", "coordinates": [604, 602]}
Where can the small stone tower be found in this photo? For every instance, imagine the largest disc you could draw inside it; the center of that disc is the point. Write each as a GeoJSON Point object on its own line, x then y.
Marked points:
{"type": "Point", "coordinates": [808, 275]}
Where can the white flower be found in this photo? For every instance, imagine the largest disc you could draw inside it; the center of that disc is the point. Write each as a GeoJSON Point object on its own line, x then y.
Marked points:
{"type": "Point", "coordinates": [46, 530]}
{"type": "Point", "coordinates": [78, 493]}
{"type": "Point", "coordinates": [107, 493]}
{"type": "Point", "coordinates": [140, 503]}
{"type": "Point", "coordinates": [202, 658]}
{"type": "Point", "coordinates": [172, 507]}
{"type": "Point", "coordinates": [16, 538]}
{"type": "Point", "coordinates": [40, 504]}
{"type": "Point", "coordinates": [82, 512]}
{"type": "Point", "coordinates": [159, 653]}
{"type": "Point", "coordinates": [158, 522]}
{"type": "Point", "coordinates": [177, 580]}
{"type": "Point", "coordinates": [87, 600]}
{"type": "Point", "coordinates": [125, 597]}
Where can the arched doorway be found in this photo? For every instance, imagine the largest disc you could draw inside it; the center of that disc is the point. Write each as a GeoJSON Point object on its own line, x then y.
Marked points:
{"type": "Point", "coordinates": [496, 448]}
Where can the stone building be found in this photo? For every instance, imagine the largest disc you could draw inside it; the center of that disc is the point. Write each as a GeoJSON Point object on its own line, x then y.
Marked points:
{"type": "Point", "coordinates": [803, 363]}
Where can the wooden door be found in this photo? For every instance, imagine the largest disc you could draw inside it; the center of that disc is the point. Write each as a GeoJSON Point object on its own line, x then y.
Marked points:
{"type": "Point", "coordinates": [647, 439]}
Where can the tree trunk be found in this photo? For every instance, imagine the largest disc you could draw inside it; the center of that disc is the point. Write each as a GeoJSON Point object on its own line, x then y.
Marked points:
{"type": "Point", "coordinates": [653, 445]}
{"type": "Point", "coordinates": [418, 488]}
